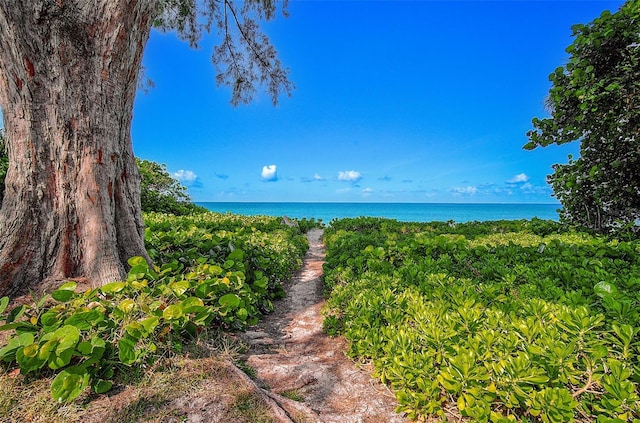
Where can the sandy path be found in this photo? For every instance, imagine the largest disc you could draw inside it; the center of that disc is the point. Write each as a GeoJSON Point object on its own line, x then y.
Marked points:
{"type": "Point", "coordinates": [290, 353]}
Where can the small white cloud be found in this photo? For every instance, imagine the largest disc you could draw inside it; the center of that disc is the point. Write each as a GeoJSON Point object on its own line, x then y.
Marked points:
{"type": "Point", "coordinates": [185, 176]}
{"type": "Point", "coordinates": [463, 191]}
{"type": "Point", "coordinates": [519, 178]}
{"type": "Point", "coordinates": [269, 173]}
{"type": "Point", "coordinates": [317, 177]}
{"type": "Point", "coordinates": [349, 176]}
{"type": "Point", "coordinates": [527, 187]}
{"type": "Point", "coordinates": [367, 190]}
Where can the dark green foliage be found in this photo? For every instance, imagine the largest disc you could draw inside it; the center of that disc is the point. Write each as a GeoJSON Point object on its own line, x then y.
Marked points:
{"type": "Point", "coordinates": [161, 193]}
{"type": "Point", "coordinates": [595, 99]}
{"type": "Point", "coordinates": [305, 225]}
{"type": "Point", "coordinates": [507, 321]}
{"type": "Point", "coordinates": [217, 271]}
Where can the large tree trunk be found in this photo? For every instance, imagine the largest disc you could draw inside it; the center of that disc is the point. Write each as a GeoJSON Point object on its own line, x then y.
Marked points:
{"type": "Point", "coordinates": [68, 75]}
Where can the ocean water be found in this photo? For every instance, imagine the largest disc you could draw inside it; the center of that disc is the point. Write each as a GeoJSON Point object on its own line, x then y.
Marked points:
{"type": "Point", "coordinates": [405, 212]}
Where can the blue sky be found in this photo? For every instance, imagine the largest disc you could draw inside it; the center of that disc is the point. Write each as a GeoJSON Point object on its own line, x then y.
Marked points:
{"type": "Point", "coordinates": [395, 101]}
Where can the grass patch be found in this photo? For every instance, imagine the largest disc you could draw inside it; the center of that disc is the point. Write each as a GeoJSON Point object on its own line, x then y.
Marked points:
{"type": "Point", "coordinates": [292, 394]}
{"type": "Point", "coordinates": [249, 407]}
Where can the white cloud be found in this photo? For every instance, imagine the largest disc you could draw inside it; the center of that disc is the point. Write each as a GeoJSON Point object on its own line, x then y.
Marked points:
{"type": "Point", "coordinates": [349, 176]}
{"type": "Point", "coordinates": [527, 187]}
{"type": "Point", "coordinates": [463, 191]}
{"type": "Point", "coordinates": [519, 178]}
{"type": "Point", "coordinates": [185, 176]}
{"type": "Point", "coordinates": [269, 173]}
{"type": "Point", "coordinates": [317, 177]}
{"type": "Point", "coordinates": [367, 190]}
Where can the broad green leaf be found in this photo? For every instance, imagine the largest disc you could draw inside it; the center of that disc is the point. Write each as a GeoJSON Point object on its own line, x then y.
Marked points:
{"type": "Point", "coordinates": [93, 349]}
{"type": "Point", "coordinates": [150, 323]}
{"type": "Point", "coordinates": [48, 319]}
{"type": "Point", "coordinates": [126, 351]}
{"type": "Point", "coordinates": [236, 254]}
{"type": "Point", "coordinates": [4, 302]}
{"type": "Point", "coordinates": [192, 305]}
{"type": "Point", "coordinates": [127, 305]}
{"type": "Point", "coordinates": [134, 329]}
{"type": "Point", "coordinates": [28, 358]}
{"type": "Point", "coordinates": [229, 300]}
{"type": "Point", "coordinates": [137, 261]}
{"type": "Point", "coordinates": [8, 352]}
{"type": "Point", "coordinates": [65, 292]}
{"type": "Point", "coordinates": [47, 348]}
{"type": "Point", "coordinates": [112, 288]}
{"type": "Point", "coordinates": [68, 337]}
{"type": "Point", "coordinates": [179, 287]}
{"type": "Point", "coordinates": [84, 320]}
{"type": "Point", "coordinates": [174, 311]}
{"type": "Point", "coordinates": [604, 289]}
{"type": "Point", "coordinates": [69, 384]}
{"type": "Point", "coordinates": [101, 386]}
{"type": "Point", "coordinates": [60, 358]}
{"type": "Point", "coordinates": [242, 314]}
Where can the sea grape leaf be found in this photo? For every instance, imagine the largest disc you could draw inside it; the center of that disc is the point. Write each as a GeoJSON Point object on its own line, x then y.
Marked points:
{"type": "Point", "coordinates": [8, 352]}
{"type": "Point", "coordinates": [65, 292]}
{"type": "Point", "coordinates": [179, 287]}
{"type": "Point", "coordinates": [112, 288]}
{"type": "Point", "coordinates": [28, 358]}
{"type": "Point", "coordinates": [127, 305]}
{"type": "Point", "coordinates": [150, 323]}
{"type": "Point", "coordinates": [229, 300]}
{"type": "Point", "coordinates": [68, 337]}
{"type": "Point", "coordinates": [69, 384]}
{"type": "Point", "coordinates": [192, 305]}
{"type": "Point", "coordinates": [101, 386]}
{"type": "Point", "coordinates": [174, 311]}
{"type": "Point", "coordinates": [126, 351]}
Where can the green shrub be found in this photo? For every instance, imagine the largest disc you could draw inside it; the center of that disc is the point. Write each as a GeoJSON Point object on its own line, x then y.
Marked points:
{"type": "Point", "coordinates": [503, 320]}
{"type": "Point", "coordinates": [213, 271]}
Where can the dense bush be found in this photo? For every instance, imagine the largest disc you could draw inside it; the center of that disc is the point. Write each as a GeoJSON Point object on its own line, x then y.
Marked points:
{"type": "Point", "coordinates": [595, 100]}
{"type": "Point", "coordinates": [212, 271]}
{"type": "Point", "coordinates": [502, 321]}
{"type": "Point", "coordinates": [162, 193]}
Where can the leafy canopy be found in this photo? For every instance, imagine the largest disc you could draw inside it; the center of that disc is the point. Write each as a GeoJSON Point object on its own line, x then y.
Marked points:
{"type": "Point", "coordinates": [162, 193]}
{"type": "Point", "coordinates": [245, 58]}
{"type": "Point", "coordinates": [595, 99]}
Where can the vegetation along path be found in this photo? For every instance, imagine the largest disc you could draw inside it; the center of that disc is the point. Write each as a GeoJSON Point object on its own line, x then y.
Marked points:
{"type": "Point", "coordinates": [294, 359]}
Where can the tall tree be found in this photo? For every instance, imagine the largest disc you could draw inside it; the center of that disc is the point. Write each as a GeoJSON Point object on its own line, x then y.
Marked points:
{"type": "Point", "coordinates": [68, 77]}
{"type": "Point", "coordinates": [160, 192]}
{"type": "Point", "coordinates": [595, 98]}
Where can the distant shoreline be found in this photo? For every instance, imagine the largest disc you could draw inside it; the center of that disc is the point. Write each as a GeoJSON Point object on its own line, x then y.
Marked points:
{"type": "Point", "coordinates": [408, 212]}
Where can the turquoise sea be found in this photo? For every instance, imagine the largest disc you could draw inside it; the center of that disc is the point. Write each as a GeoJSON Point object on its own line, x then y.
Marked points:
{"type": "Point", "coordinates": [406, 212]}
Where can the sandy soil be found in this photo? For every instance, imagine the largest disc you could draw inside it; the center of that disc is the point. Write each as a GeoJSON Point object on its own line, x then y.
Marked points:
{"type": "Point", "coordinates": [291, 354]}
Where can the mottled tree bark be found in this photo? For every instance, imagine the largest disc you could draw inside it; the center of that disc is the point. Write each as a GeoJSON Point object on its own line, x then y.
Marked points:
{"type": "Point", "coordinates": [68, 76]}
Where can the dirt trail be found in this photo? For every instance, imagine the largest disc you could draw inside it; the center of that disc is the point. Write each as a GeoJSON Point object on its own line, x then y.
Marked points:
{"type": "Point", "coordinates": [291, 354]}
